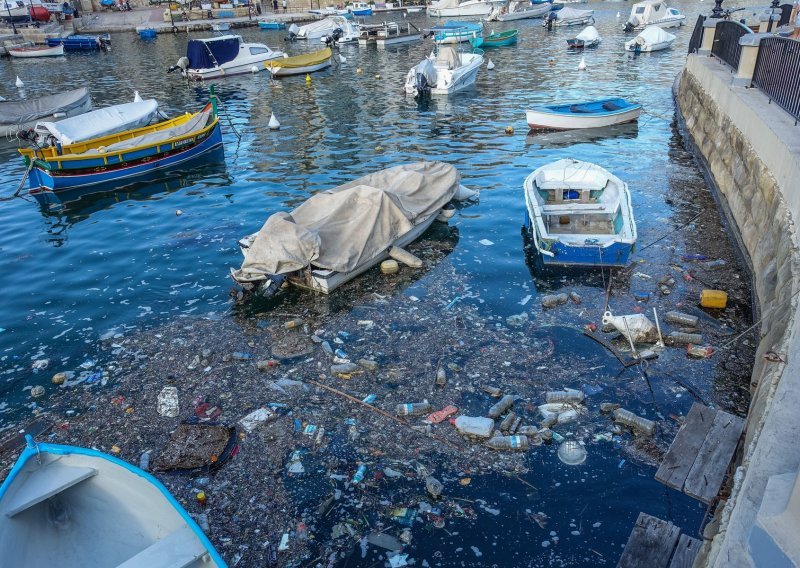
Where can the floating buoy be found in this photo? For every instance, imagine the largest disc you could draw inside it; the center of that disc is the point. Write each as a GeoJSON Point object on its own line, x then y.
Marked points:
{"type": "Point", "coordinates": [509, 130]}
{"type": "Point", "coordinates": [273, 122]}
{"type": "Point", "coordinates": [582, 64]}
{"type": "Point", "coordinates": [178, 213]}
{"type": "Point", "coordinates": [490, 65]}
{"type": "Point", "coordinates": [308, 78]}
{"type": "Point", "coordinates": [618, 12]}
{"type": "Point", "coordinates": [19, 83]}
{"type": "Point", "coordinates": [137, 98]}
{"type": "Point", "coordinates": [358, 70]}
{"type": "Point", "coordinates": [389, 267]}
{"type": "Point", "coordinates": [377, 76]}
{"type": "Point", "coordinates": [342, 59]}
{"type": "Point", "coordinates": [254, 69]}
{"type": "Point", "coordinates": [552, 62]}
{"type": "Point", "coordinates": [379, 148]}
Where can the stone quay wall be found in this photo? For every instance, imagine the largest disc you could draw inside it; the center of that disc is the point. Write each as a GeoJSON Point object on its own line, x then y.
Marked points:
{"type": "Point", "coordinates": [751, 150]}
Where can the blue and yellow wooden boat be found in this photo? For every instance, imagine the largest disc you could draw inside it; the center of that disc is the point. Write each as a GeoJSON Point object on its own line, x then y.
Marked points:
{"type": "Point", "coordinates": [500, 39]}
{"type": "Point", "coordinates": [126, 155]}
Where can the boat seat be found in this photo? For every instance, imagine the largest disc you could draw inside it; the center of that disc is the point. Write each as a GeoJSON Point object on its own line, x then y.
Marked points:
{"type": "Point", "coordinates": [45, 482]}
{"type": "Point", "coordinates": [177, 550]}
{"type": "Point", "coordinates": [612, 106]}
{"type": "Point", "coordinates": [578, 109]}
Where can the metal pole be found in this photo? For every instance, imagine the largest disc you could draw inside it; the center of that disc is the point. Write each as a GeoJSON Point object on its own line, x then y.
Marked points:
{"type": "Point", "coordinates": [772, 10]}
{"type": "Point", "coordinates": [716, 12]}
{"type": "Point", "coordinates": [11, 18]}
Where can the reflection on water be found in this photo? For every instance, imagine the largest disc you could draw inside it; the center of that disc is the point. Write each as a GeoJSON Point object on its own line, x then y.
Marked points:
{"type": "Point", "coordinates": [567, 138]}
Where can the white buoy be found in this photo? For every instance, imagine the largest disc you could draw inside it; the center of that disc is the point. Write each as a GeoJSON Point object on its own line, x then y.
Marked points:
{"type": "Point", "coordinates": [19, 83]}
{"type": "Point", "coordinates": [254, 69]}
{"type": "Point", "coordinates": [490, 65]}
{"type": "Point", "coordinates": [582, 64]}
{"type": "Point", "coordinates": [342, 59]}
{"type": "Point", "coordinates": [273, 123]}
{"type": "Point", "coordinates": [136, 97]}
{"type": "Point", "coordinates": [618, 12]}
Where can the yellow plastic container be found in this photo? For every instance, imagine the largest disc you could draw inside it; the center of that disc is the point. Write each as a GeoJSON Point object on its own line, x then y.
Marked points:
{"type": "Point", "coordinates": [713, 299]}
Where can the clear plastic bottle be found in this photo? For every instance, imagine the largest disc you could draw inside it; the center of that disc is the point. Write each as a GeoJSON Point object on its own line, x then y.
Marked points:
{"type": "Point", "coordinates": [553, 300]}
{"type": "Point", "coordinates": [360, 473]}
{"type": "Point", "coordinates": [441, 377]}
{"type": "Point", "coordinates": [634, 421]}
{"type": "Point", "coordinates": [491, 391]}
{"type": "Point", "coordinates": [681, 338]}
{"type": "Point", "coordinates": [566, 395]}
{"type": "Point", "coordinates": [413, 409]}
{"type": "Point", "coordinates": [519, 443]}
{"type": "Point", "coordinates": [515, 426]}
{"type": "Point", "coordinates": [505, 425]}
{"type": "Point", "coordinates": [682, 319]}
{"type": "Point", "coordinates": [502, 405]}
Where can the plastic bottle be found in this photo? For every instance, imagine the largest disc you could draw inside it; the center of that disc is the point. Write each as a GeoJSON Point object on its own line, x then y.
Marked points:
{"type": "Point", "coordinates": [575, 297]}
{"type": "Point", "coordinates": [515, 426]}
{"type": "Point", "coordinates": [714, 264]}
{"type": "Point", "coordinates": [360, 473]}
{"type": "Point", "coordinates": [340, 353]}
{"type": "Point", "coordinates": [527, 430]}
{"type": "Point", "coordinates": [202, 520]}
{"type": "Point", "coordinates": [680, 338]}
{"type": "Point", "coordinates": [326, 347]}
{"type": "Point", "coordinates": [441, 377]}
{"type": "Point", "coordinates": [630, 419]}
{"type": "Point", "coordinates": [508, 443]}
{"type": "Point", "coordinates": [491, 391]}
{"type": "Point", "coordinates": [566, 395]}
{"type": "Point", "coordinates": [413, 409]}
{"type": "Point", "coordinates": [553, 300]}
{"type": "Point", "coordinates": [502, 405]}
{"type": "Point", "coordinates": [505, 425]}
{"type": "Point", "coordinates": [291, 324]}
{"type": "Point", "coordinates": [682, 319]}
{"type": "Point", "coordinates": [144, 461]}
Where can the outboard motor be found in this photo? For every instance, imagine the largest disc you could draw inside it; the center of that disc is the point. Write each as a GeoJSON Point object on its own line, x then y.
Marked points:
{"type": "Point", "coordinates": [628, 26]}
{"type": "Point", "coordinates": [551, 18]}
{"type": "Point", "coordinates": [182, 64]}
{"type": "Point", "coordinates": [293, 29]}
{"type": "Point", "coordinates": [336, 35]}
{"type": "Point", "coordinates": [423, 88]}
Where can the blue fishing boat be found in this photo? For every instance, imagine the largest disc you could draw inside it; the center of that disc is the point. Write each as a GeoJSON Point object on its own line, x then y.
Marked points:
{"type": "Point", "coordinates": [360, 9]}
{"type": "Point", "coordinates": [75, 507]}
{"type": "Point", "coordinates": [81, 42]}
{"type": "Point", "coordinates": [589, 114]}
{"type": "Point", "coordinates": [579, 215]}
{"type": "Point", "coordinates": [147, 33]}
{"type": "Point", "coordinates": [125, 155]}
{"type": "Point", "coordinates": [456, 32]}
{"type": "Point", "coordinates": [272, 25]}
{"type": "Point", "coordinates": [500, 39]}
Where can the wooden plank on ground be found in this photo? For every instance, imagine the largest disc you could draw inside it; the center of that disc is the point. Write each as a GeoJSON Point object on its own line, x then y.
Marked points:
{"type": "Point", "coordinates": [682, 453]}
{"type": "Point", "coordinates": [651, 543]}
{"type": "Point", "coordinates": [705, 478]}
{"type": "Point", "coordinates": [685, 552]}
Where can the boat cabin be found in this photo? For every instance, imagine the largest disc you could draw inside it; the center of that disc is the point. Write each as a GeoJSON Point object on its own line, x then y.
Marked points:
{"type": "Point", "coordinates": [651, 11]}
{"type": "Point", "coordinates": [213, 52]}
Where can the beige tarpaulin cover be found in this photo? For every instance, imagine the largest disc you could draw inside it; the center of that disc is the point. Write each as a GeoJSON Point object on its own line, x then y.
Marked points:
{"type": "Point", "coordinates": [341, 228]}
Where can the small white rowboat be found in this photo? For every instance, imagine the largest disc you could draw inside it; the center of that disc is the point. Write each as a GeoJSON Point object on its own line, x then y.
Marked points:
{"type": "Point", "coordinates": [37, 51]}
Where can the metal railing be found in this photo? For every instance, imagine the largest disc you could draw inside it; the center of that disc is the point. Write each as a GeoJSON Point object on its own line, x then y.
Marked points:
{"type": "Point", "coordinates": [777, 73]}
{"type": "Point", "coordinates": [697, 35]}
{"type": "Point", "coordinates": [726, 42]}
{"type": "Point", "coordinates": [786, 12]}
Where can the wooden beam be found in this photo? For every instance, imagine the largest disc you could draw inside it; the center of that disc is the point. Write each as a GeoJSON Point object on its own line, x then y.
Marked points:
{"type": "Point", "coordinates": [708, 471]}
{"type": "Point", "coordinates": [685, 552]}
{"type": "Point", "coordinates": [651, 543]}
{"type": "Point", "coordinates": [682, 453]}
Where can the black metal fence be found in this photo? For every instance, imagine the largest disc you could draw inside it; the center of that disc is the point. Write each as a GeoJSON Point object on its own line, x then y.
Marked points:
{"type": "Point", "coordinates": [697, 35]}
{"type": "Point", "coordinates": [786, 12]}
{"type": "Point", "coordinates": [777, 73]}
{"type": "Point", "coordinates": [726, 42]}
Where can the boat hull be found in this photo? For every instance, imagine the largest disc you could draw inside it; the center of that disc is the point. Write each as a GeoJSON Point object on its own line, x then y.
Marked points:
{"type": "Point", "coordinates": [232, 68]}
{"type": "Point", "coordinates": [37, 52]}
{"type": "Point", "coordinates": [272, 25]}
{"type": "Point", "coordinates": [130, 167]}
{"type": "Point", "coordinates": [535, 12]}
{"type": "Point", "coordinates": [615, 254]}
{"type": "Point", "coordinates": [10, 130]}
{"type": "Point", "coordinates": [665, 23]}
{"type": "Point", "coordinates": [383, 42]}
{"type": "Point", "coordinates": [474, 11]}
{"type": "Point", "coordinates": [648, 48]}
{"type": "Point", "coordinates": [496, 40]}
{"type": "Point", "coordinates": [367, 12]}
{"type": "Point", "coordinates": [287, 71]}
{"type": "Point", "coordinates": [541, 119]}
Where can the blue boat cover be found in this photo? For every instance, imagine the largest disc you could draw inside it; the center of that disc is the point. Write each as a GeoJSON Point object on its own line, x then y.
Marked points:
{"type": "Point", "coordinates": [209, 54]}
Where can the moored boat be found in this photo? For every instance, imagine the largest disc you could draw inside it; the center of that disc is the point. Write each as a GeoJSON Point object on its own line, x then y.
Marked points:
{"type": "Point", "coordinates": [272, 25]}
{"type": "Point", "coordinates": [589, 37]}
{"type": "Point", "coordinates": [340, 233]}
{"type": "Point", "coordinates": [568, 17]}
{"type": "Point", "coordinates": [448, 72]}
{"type": "Point", "coordinates": [81, 42]}
{"type": "Point", "coordinates": [653, 13]}
{"type": "Point", "coordinates": [360, 9]}
{"type": "Point", "coordinates": [24, 114]}
{"type": "Point", "coordinates": [39, 51]}
{"type": "Point", "coordinates": [388, 33]}
{"type": "Point", "coordinates": [322, 28]}
{"type": "Point", "coordinates": [499, 39]}
{"type": "Point", "coordinates": [519, 10]}
{"type": "Point", "coordinates": [652, 38]}
{"type": "Point", "coordinates": [300, 64]}
{"type": "Point", "coordinates": [222, 56]}
{"type": "Point", "coordinates": [124, 155]}
{"type": "Point", "coordinates": [589, 114]}
{"type": "Point", "coordinates": [24, 11]}
{"type": "Point", "coordinates": [456, 32]}
{"type": "Point", "coordinates": [461, 9]}
{"type": "Point", "coordinates": [579, 214]}
{"type": "Point", "coordinates": [75, 507]}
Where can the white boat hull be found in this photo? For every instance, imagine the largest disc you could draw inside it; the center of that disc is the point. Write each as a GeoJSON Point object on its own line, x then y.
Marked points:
{"type": "Point", "coordinates": [535, 12]}
{"type": "Point", "coordinates": [665, 23]}
{"type": "Point", "coordinates": [448, 81]}
{"type": "Point", "coordinates": [287, 71]}
{"type": "Point", "coordinates": [647, 48]}
{"type": "Point", "coordinates": [44, 52]}
{"type": "Point", "coordinates": [238, 66]}
{"type": "Point", "coordinates": [469, 9]}
{"type": "Point", "coordinates": [538, 120]}
{"type": "Point", "coordinates": [383, 42]}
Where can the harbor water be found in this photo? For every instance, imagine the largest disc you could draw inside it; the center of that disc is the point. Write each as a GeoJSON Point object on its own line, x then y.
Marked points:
{"type": "Point", "coordinates": [81, 270]}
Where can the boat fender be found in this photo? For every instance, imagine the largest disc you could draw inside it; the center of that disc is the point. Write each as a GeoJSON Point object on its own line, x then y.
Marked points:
{"type": "Point", "coordinates": [407, 258]}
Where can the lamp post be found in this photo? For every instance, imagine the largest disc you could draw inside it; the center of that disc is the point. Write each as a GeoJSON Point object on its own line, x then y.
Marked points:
{"type": "Point", "coordinates": [716, 12]}
{"type": "Point", "coordinates": [772, 12]}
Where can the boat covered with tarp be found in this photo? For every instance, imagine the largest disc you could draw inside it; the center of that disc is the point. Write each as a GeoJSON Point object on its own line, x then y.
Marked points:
{"type": "Point", "coordinates": [652, 38]}
{"type": "Point", "coordinates": [518, 10]}
{"type": "Point", "coordinates": [568, 17]}
{"type": "Point", "coordinates": [339, 233]}
{"type": "Point", "coordinates": [100, 122]}
{"type": "Point", "coordinates": [579, 214]}
{"type": "Point", "coordinates": [222, 56]}
{"type": "Point", "coordinates": [589, 37]}
{"type": "Point", "coordinates": [75, 507]}
{"type": "Point", "coordinates": [300, 64]}
{"type": "Point", "coordinates": [22, 114]}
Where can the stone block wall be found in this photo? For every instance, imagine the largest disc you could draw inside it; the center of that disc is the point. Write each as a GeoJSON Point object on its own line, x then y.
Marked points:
{"type": "Point", "coordinates": [741, 154]}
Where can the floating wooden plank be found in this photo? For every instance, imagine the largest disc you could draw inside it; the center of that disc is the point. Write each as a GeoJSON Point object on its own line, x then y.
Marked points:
{"type": "Point", "coordinates": [705, 478]}
{"type": "Point", "coordinates": [685, 552]}
{"type": "Point", "coordinates": [651, 543]}
{"type": "Point", "coordinates": [682, 454]}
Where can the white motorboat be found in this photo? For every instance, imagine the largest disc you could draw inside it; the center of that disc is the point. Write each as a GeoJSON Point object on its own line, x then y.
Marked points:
{"type": "Point", "coordinates": [24, 11]}
{"type": "Point", "coordinates": [461, 9]}
{"type": "Point", "coordinates": [519, 10]}
{"type": "Point", "coordinates": [653, 13]}
{"type": "Point", "coordinates": [652, 38]}
{"type": "Point", "coordinates": [579, 214]}
{"type": "Point", "coordinates": [100, 122]}
{"type": "Point", "coordinates": [456, 32]}
{"type": "Point", "coordinates": [24, 114]}
{"type": "Point", "coordinates": [322, 28]}
{"type": "Point", "coordinates": [340, 233]}
{"type": "Point", "coordinates": [330, 11]}
{"type": "Point", "coordinates": [568, 17]}
{"type": "Point", "coordinates": [39, 51]}
{"type": "Point", "coordinates": [589, 37]}
{"type": "Point", "coordinates": [389, 33]}
{"type": "Point", "coordinates": [447, 72]}
{"type": "Point", "coordinates": [588, 114]}
{"type": "Point", "coordinates": [225, 55]}
{"type": "Point", "coordinates": [74, 507]}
